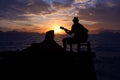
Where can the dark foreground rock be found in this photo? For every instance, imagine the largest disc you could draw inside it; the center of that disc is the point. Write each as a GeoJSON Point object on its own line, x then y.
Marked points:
{"type": "Point", "coordinates": [47, 60]}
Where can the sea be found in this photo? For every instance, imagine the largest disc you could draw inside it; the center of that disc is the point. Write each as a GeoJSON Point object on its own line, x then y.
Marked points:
{"type": "Point", "coordinates": [106, 45]}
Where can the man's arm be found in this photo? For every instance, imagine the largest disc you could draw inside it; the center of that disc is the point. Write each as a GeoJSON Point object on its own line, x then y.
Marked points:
{"type": "Point", "coordinates": [69, 32]}
{"type": "Point", "coordinates": [66, 30]}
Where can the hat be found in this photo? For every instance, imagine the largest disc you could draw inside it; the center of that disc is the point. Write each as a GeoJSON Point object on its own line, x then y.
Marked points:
{"type": "Point", "coordinates": [75, 19]}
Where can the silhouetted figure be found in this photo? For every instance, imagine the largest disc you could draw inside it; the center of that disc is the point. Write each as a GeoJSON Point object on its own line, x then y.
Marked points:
{"type": "Point", "coordinates": [79, 31]}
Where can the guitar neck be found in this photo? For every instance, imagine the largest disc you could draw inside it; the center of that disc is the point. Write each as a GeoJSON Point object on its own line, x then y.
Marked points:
{"type": "Point", "coordinates": [64, 29]}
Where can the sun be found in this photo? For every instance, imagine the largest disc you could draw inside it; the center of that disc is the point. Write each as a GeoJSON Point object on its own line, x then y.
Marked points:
{"type": "Point", "coordinates": [57, 30]}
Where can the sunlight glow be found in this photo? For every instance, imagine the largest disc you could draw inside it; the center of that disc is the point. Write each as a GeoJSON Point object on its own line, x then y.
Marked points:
{"type": "Point", "coordinates": [57, 29]}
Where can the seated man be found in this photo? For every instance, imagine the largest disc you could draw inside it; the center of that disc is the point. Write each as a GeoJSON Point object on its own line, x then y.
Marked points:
{"type": "Point", "coordinates": [79, 31]}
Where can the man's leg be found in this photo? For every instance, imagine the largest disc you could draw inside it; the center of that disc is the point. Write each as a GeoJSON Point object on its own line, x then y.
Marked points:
{"type": "Point", "coordinates": [66, 41]}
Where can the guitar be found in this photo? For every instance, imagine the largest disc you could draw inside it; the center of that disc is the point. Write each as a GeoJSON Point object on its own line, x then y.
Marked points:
{"type": "Point", "coordinates": [66, 30]}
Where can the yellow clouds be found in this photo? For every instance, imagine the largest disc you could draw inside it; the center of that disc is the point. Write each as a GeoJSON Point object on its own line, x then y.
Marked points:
{"type": "Point", "coordinates": [80, 1]}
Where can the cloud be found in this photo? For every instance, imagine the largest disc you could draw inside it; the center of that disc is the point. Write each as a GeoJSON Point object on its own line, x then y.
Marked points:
{"type": "Point", "coordinates": [108, 13]}
{"type": "Point", "coordinates": [105, 12]}
{"type": "Point", "coordinates": [3, 29]}
{"type": "Point", "coordinates": [58, 4]}
{"type": "Point", "coordinates": [14, 9]}
{"type": "Point", "coordinates": [82, 4]}
{"type": "Point", "coordinates": [100, 13]}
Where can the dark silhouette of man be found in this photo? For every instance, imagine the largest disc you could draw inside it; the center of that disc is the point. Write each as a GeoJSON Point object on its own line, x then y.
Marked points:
{"type": "Point", "coordinates": [79, 31]}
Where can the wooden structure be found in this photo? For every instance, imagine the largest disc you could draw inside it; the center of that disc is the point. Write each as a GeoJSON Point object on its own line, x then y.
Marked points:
{"type": "Point", "coordinates": [80, 44]}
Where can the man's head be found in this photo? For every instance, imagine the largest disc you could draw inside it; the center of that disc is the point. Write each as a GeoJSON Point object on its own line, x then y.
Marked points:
{"type": "Point", "coordinates": [75, 20]}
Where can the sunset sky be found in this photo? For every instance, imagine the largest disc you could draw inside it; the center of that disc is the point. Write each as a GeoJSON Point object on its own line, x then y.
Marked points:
{"type": "Point", "coordinates": [43, 15]}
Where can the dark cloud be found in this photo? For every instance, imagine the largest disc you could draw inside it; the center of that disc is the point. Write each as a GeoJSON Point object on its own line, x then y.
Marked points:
{"type": "Point", "coordinates": [14, 9]}
{"type": "Point", "coordinates": [106, 13]}
{"type": "Point", "coordinates": [58, 5]}
{"type": "Point", "coordinates": [4, 28]}
{"type": "Point", "coordinates": [37, 6]}
{"type": "Point", "coordinates": [62, 2]}
{"type": "Point", "coordinates": [110, 9]}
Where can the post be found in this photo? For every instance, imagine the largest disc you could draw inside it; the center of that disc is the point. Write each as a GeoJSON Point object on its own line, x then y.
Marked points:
{"type": "Point", "coordinates": [49, 37]}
